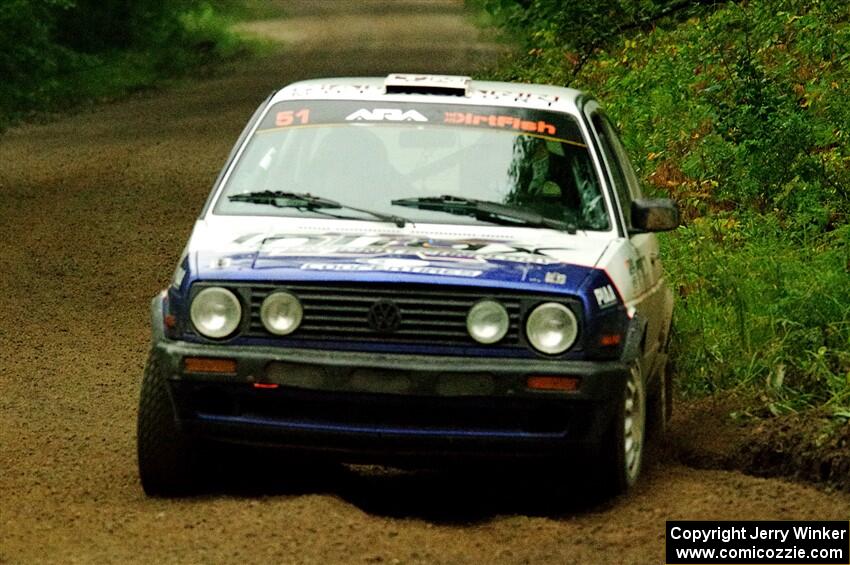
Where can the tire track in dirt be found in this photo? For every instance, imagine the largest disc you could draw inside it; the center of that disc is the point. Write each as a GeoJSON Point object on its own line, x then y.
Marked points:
{"type": "Point", "coordinates": [95, 208]}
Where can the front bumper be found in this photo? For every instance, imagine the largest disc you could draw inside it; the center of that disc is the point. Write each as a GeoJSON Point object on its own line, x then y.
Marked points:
{"type": "Point", "coordinates": [378, 407]}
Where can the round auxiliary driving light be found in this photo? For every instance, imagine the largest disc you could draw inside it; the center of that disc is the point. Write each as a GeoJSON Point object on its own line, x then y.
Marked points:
{"type": "Point", "coordinates": [487, 322]}
{"type": "Point", "coordinates": [215, 312]}
{"type": "Point", "coordinates": [281, 313]}
{"type": "Point", "coordinates": [552, 328]}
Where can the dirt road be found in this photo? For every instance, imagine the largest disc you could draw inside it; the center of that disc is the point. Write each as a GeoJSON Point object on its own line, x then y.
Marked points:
{"type": "Point", "coordinates": [94, 210]}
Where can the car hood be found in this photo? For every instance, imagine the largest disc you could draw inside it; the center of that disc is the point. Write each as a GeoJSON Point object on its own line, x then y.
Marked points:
{"type": "Point", "coordinates": [519, 258]}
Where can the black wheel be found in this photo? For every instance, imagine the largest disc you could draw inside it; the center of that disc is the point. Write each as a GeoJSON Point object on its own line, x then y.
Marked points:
{"type": "Point", "coordinates": [622, 450]}
{"type": "Point", "coordinates": [167, 458]}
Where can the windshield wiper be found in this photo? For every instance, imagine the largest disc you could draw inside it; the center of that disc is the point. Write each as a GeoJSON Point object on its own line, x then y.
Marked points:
{"type": "Point", "coordinates": [306, 201]}
{"type": "Point", "coordinates": [484, 210]}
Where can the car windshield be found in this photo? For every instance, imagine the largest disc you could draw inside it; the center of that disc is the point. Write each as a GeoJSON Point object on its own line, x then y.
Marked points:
{"type": "Point", "coordinates": [367, 154]}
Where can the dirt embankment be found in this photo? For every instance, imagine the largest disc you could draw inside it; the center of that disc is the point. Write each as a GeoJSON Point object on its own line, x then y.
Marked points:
{"type": "Point", "coordinates": [95, 210]}
{"type": "Point", "coordinates": [811, 447]}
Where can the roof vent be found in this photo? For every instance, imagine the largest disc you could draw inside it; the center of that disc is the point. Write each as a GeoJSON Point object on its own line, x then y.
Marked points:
{"type": "Point", "coordinates": [448, 85]}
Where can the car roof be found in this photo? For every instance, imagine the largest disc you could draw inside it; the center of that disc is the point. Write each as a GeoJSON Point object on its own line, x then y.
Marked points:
{"type": "Point", "coordinates": [447, 89]}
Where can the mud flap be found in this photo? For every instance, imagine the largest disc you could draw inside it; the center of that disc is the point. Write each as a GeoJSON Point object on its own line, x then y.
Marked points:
{"type": "Point", "coordinates": [634, 346]}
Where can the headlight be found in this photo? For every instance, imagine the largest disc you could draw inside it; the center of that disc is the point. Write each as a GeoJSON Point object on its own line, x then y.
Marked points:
{"type": "Point", "coordinates": [281, 313]}
{"type": "Point", "coordinates": [487, 321]}
{"type": "Point", "coordinates": [216, 312]}
{"type": "Point", "coordinates": [552, 328]}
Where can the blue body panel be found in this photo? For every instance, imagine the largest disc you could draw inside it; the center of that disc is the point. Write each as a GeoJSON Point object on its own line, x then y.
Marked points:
{"type": "Point", "coordinates": [404, 261]}
{"type": "Point", "coordinates": [391, 268]}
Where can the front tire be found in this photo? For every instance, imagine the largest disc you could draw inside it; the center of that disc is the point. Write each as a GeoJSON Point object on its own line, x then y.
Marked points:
{"type": "Point", "coordinates": [167, 458]}
{"type": "Point", "coordinates": [623, 447]}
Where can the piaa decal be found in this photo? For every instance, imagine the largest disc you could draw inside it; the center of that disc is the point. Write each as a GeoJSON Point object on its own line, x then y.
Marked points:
{"type": "Point", "coordinates": [605, 296]}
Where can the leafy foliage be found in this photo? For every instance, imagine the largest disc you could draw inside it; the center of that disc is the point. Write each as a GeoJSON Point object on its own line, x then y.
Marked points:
{"type": "Point", "coordinates": [741, 112]}
{"type": "Point", "coordinates": [78, 49]}
{"type": "Point", "coordinates": [27, 50]}
{"type": "Point", "coordinates": [761, 308]}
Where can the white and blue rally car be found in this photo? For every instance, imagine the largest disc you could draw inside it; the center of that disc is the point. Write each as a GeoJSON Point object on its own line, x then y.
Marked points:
{"type": "Point", "coordinates": [413, 269]}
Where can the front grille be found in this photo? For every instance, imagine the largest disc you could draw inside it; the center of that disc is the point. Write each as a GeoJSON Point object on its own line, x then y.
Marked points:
{"type": "Point", "coordinates": [428, 315]}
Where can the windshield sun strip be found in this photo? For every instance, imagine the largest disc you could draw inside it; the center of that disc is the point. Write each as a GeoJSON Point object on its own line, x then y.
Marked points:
{"type": "Point", "coordinates": [455, 127]}
{"type": "Point", "coordinates": [295, 113]}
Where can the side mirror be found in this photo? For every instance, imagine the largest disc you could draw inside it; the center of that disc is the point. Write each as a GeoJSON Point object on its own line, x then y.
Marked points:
{"type": "Point", "coordinates": [654, 214]}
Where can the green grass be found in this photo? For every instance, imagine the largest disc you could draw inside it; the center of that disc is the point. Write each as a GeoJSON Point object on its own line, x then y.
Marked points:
{"type": "Point", "coordinates": [761, 309]}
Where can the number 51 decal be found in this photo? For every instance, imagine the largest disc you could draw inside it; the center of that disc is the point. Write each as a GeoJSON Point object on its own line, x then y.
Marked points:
{"type": "Point", "coordinates": [289, 117]}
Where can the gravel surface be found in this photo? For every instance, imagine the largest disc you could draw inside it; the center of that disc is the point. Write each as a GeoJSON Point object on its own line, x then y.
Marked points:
{"type": "Point", "coordinates": [95, 209]}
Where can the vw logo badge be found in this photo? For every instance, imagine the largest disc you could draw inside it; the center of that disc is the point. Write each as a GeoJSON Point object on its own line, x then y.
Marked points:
{"type": "Point", "coordinates": [384, 316]}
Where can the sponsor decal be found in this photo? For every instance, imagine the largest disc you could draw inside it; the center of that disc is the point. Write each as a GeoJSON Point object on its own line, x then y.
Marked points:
{"type": "Point", "coordinates": [499, 121]}
{"type": "Point", "coordinates": [605, 296]}
{"type": "Point", "coordinates": [395, 262]}
{"type": "Point", "coordinates": [555, 278]}
{"type": "Point", "coordinates": [638, 273]}
{"type": "Point", "coordinates": [482, 256]}
{"type": "Point", "coordinates": [352, 246]}
{"type": "Point", "coordinates": [361, 268]}
{"type": "Point", "coordinates": [386, 114]}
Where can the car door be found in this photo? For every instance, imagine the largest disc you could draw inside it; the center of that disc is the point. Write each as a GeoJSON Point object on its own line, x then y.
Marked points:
{"type": "Point", "coordinates": [647, 297]}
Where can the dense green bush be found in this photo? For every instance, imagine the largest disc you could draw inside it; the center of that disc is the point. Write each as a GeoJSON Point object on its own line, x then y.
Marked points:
{"type": "Point", "coordinates": [741, 112]}
{"type": "Point", "coordinates": [27, 51]}
{"type": "Point", "coordinates": [80, 49]}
